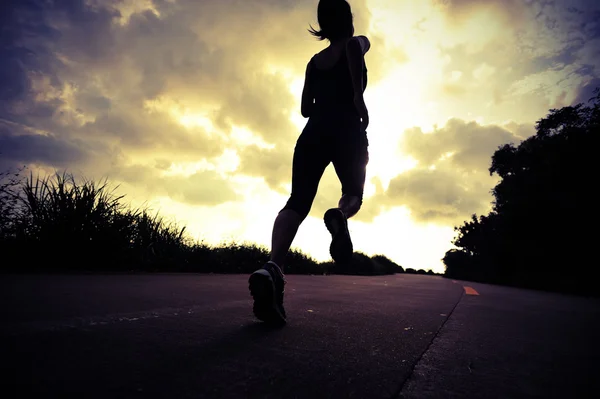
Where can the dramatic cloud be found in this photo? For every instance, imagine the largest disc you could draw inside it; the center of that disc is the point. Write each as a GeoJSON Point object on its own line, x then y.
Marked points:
{"type": "Point", "coordinates": [206, 187]}
{"type": "Point", "coordinates": [127, 74]}
{"type": "Point", "coordinates": [507, 60]}
{"type": "Point", "coordinates": [451, 180]}
{"type": "Point", "coordinates": [467, 145]}
{"type": "Point", "coordinates": [38, 149]}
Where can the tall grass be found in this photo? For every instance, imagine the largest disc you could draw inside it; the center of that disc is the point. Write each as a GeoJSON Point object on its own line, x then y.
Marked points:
{"type": "Point", "coordinates": [58, 223]}
{"type": "Point", "coordinates": [9, 201]}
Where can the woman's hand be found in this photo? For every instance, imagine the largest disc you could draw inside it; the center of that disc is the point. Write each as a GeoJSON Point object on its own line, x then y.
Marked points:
{"type": "Point", "coordinates": [361, 107]}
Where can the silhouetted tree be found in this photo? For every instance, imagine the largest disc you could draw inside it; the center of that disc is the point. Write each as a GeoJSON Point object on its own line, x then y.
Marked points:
{"type": "Point", "coordinates": [540, 229]}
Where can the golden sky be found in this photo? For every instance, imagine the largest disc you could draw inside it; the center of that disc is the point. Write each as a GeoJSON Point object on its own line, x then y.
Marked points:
{"type": "Point", "coordinates": [193, 107]}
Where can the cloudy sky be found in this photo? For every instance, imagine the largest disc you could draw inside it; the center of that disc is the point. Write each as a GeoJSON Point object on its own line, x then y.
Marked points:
{"type": "Point", "coordinates": [193, 107]}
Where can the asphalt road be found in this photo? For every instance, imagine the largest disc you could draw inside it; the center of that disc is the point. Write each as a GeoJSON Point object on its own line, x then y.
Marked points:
{"type": "Point", "coordinates": [193, 336]}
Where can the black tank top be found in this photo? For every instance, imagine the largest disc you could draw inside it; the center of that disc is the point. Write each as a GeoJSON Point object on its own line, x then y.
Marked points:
{"type": "Point", "coordinates": [332, 87]}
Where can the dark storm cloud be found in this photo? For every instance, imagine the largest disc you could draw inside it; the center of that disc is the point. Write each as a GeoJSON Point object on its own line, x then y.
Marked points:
{"type": "Point", "coordinates": [38, 149]}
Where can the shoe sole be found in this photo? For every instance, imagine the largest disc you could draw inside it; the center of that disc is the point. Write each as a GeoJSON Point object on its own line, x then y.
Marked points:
{"type": "Point", "coordinates": [262, 289]}
{"type": "Point", "coordinates": [341, 244]}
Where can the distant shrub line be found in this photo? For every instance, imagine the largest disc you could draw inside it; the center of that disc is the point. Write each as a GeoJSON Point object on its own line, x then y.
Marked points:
{"type": "Point", "coordinates": [59, 224]}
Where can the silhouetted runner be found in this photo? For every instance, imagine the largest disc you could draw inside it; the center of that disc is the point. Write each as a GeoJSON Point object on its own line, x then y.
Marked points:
{"type": "Point", "coordinates": [333, 101]}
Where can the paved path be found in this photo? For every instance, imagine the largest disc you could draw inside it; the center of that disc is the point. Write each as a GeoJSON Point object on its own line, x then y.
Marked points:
{"type": "Point", "coordinates": [193, 336]}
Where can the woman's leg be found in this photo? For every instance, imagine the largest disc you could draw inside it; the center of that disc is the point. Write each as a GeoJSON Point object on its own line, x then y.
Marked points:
{"type": "Point", "coordinates": [267, 285]}
{"type": "Point", "coordinates": [350, 165]}
{"type": "Point", "coordinates": [311, 157]}
{"type": "Point", "coordinates": [350, 160]}
{"type": "Point", "coordinates": [284, 231]}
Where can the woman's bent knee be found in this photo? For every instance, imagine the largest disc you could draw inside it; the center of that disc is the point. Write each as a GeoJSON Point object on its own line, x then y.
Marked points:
{"type": "Point", "coordinates": [298, 206]}
{"type": "Point", "coordinates": [350, 204]}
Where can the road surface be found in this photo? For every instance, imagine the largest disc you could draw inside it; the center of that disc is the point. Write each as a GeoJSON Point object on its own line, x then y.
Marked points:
{"type": "Point", "coordinates": [193, 336]}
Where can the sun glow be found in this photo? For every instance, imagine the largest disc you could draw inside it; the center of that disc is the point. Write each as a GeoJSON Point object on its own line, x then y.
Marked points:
{"type": "Point", "coordinates": [406, 96]}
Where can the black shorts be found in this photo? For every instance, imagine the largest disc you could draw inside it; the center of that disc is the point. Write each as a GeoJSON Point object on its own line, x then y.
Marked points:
{"type": "Point", "coordinates": [331, 138]}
